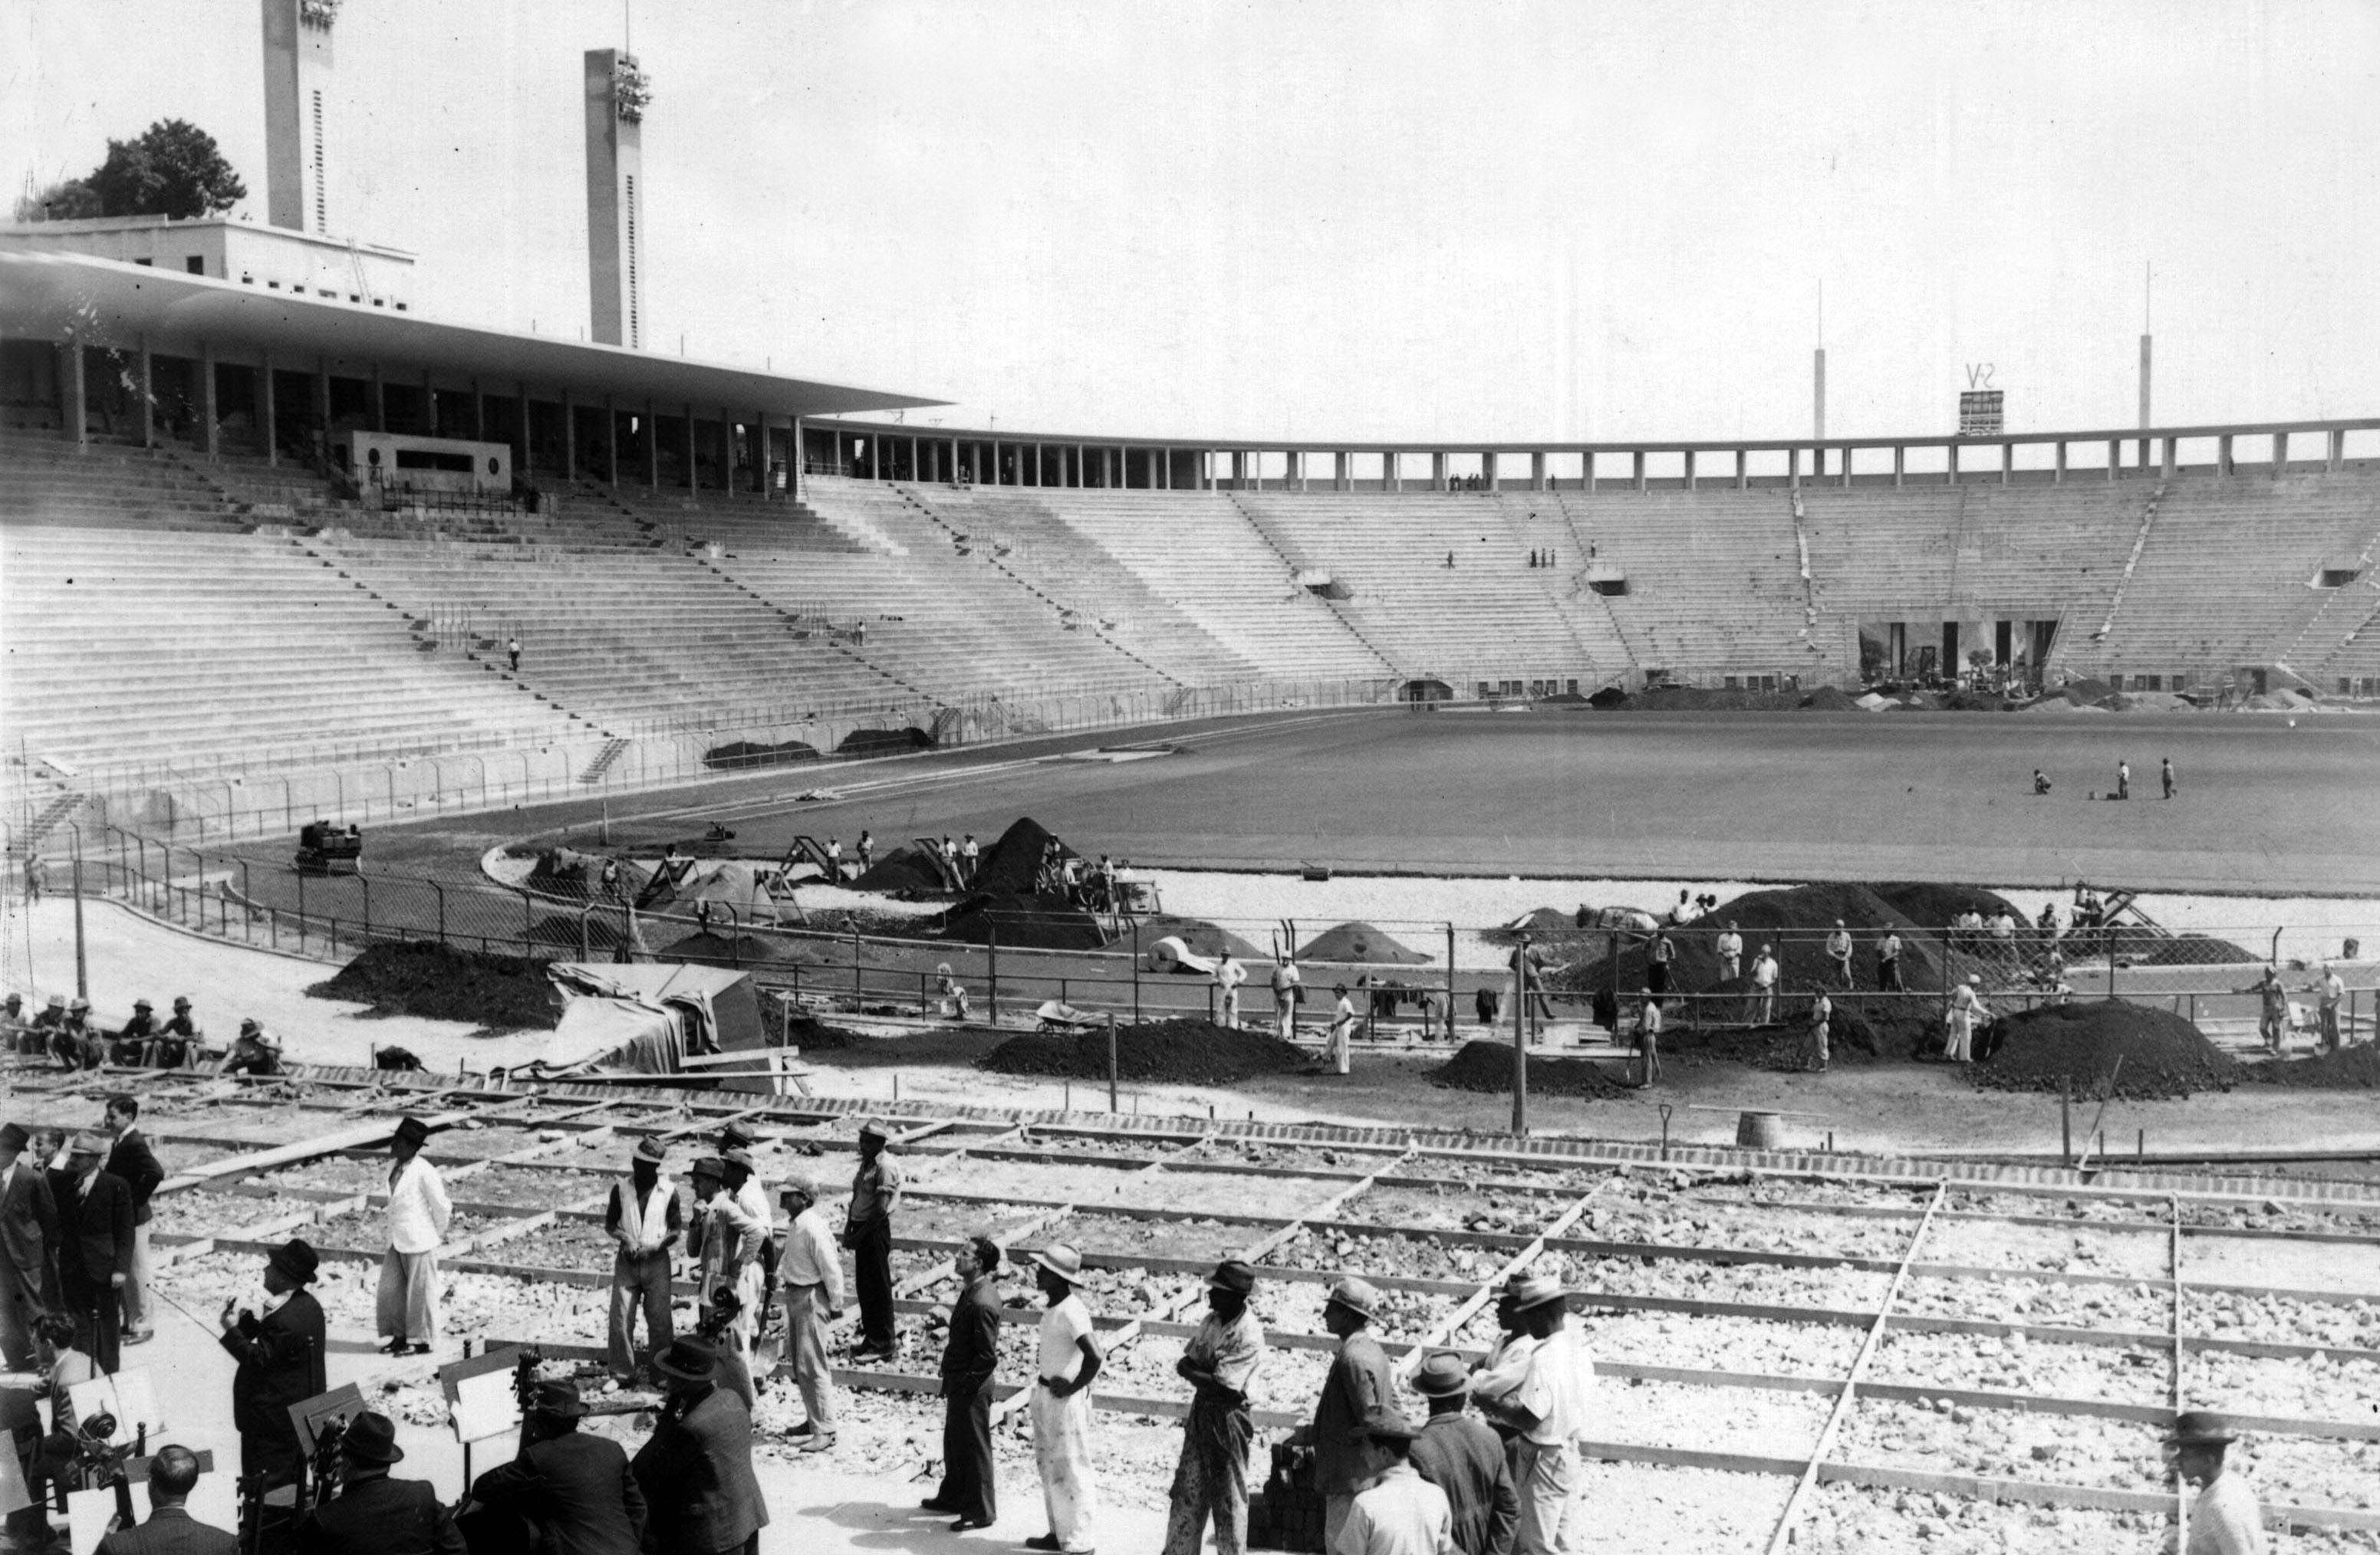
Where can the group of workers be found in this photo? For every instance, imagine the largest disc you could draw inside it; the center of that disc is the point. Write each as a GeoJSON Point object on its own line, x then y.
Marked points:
{"type": "Point", "coordinates": [63, 1031]}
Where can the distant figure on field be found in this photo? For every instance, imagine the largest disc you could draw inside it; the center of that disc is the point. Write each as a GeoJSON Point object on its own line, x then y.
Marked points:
{"type": "Point", "coordinates": [1288, 992]}
{"type": "Point", "coordinates": [2273, 1009]}
{"type": "Point", "coordinates": [970, 855]}
{"type": "Point", "coordinates": [512, 651]}
{"type": "Point", "coordinates": [1648, 1037]}
{"type": "Point", "coordinates": [1760, 1004]}
{"type": "Point", "coordinates": [866, 851]}
{"type": "Point", "coordinates": [1887, 961]}
{"type": "Point", "coordinates": [1822, 1012]}
{"type": "Point", "coordinates": [1966, 1010]}
{"type": "Point", "coordinates": [1730, 953]}
{"type": "Point", "coordinates": [1229, 974]}
{"type": "Point", "coordinates": [1487, 1004]}
{"type": "Point", "coordinates": [1839, 950]}
{"type": "Point", "coordinates": [2123, 780]}
{"type": "Point", "coordinates": [2329, 991]}
{"type": "Point", "coordinates": [2165, 776]}
{"type": "Point", "coordinates": [1657, 962]}
{"type": "Point", "coordinates": [2040, 782]}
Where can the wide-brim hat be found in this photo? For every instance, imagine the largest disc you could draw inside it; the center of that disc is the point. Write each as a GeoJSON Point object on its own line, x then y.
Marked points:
{"type": "Point", "coordinates": [13, 1136]}
{"type": "Point", "coordinates": [1442, 1375]}
{"type": "Point", "coordinates": [735, 1135]}
{"type": "Point", "coordinates": [79, 1004]}
{"type": "Point", "coordinates": [874, 1128]}
{"type": "Point", "coordinates": [1061, 1261]}
{"type": "Point", "coordinates": [2201, 1428]}
{"type": "Point", "coordinates": [557, 1399]}
{"type": "Point", "coordinates": [250, 1024]}
{"type": "Point", "coordinates": [1235, 1275]}
{"type": "Point", "coordinates": [688, 1360]}
{"type": "Point", "coordinates": [1359, 1297]}
{"type": "Point", "coordinates": [142, 1004]}
{"type": "Point", "coordinates": [653, 1150]}
{"type": "Point", "coordinates": [182, 1002]}
{"type": "Point", "coordinates": [296, 1260]}
{"type": "Point", "coordinates": [1533, 1290]}
{"type": "Point", "coordinates": [57, 1001]}
{"type": "Point", "coordinates": [411, 1130]}
{"type": "Point", "coordinates": [88, 1143]}
{"type": "Point", "coordinates": [706, 1167]}
{"type": "Point", "coordinates": [799, 1182]}
{"type": "Point", "coordinates": [736, 1158]}
{"type": "Point", "coordinates": [371, 1438]}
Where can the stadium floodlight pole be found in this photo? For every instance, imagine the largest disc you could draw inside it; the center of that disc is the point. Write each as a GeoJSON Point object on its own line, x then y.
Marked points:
{"type": "Point", "coordinates": [1521, 1038]}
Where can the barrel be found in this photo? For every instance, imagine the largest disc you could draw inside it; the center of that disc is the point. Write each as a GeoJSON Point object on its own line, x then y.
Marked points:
{"type": "Point", "coordinates": [1759, 1131]}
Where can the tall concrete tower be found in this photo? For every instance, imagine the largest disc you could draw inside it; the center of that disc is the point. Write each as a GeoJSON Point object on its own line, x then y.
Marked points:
{"type": "Point", "coordinates": [616, 94]}
{"type": "Point", "coordinates": [297, 84]}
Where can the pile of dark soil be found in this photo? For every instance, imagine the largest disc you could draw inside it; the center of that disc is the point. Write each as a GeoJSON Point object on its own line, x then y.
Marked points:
{"type": "Point", "coordinates": [2165, 1057]}
{"type": "Point", "coordinates": [1810, 910]}
{"type": "Point", "coordinates": [1027, 922]}
{"type": "Point", "coordinates": [884, 742]}
{"type": "Point", "coordinates": [1977, 702]}
{"type": "Point", "coordinates": [2350, 1069]}
{"type": "Point", "coordinates": [1359, 943]}
{"type": "Point", "coordinates": [907, 868]}
{"type": "Point", "coordinates": [1173, 1052]}
{"type": "Point", "coordinates": [445, 983]}
{"type": "Point", "coordinates": [1487, 1066]}
{"type": "Point", "coordinates": [1009, 866]}
{"type": "Point", "coordinates": [1203, 938]}
{"type": "Point", "coordinates": [1610, 698]}
{"type": "Point", "coordinates": [1938, 906]}
{"type": "Point", "coordinates": [744, 752]}
{"type": "Point", "coordinates": [1699, 699]}
{"type": "Point", "coordinates": [1829, 699]}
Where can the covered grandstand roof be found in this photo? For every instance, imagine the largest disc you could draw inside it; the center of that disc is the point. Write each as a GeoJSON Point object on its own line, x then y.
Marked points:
{"type": "Point", "coordinates": [103, 302]}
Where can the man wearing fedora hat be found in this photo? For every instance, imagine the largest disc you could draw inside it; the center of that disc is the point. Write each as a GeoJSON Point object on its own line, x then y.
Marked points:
{"type": "Point", "coordinates": [373, 1514]}
{"type": "Point", "coordinates": [418, 1213]}
{"type": "Point", "coordinates": [1360, 1384]}
{"type": "Point", "coordinates": [1464, 1459]}
{"type": "Point", "coordinates": [1543, 1391]}
{"type": "Point", "coordinates": [131, 1159]}
{"type": "Point", "coordinates": [129, 1047]}
{"type": "Point", "coordinates": [742, 1224]}
{"type": "Point", "coordinates": [28, 1233]}
{"type": "Point", "coordinates": [2224, 1519]}
{"type": "Point", "coordinates": [94, 1246]}
{"type": "Point", "coordinates": [1397, 1512]}
{"type": "Point", "coordinates": [281, 1352]}
{"type": "Point", "coordinates": [575, 1489]}
{"type": "Point", "coordinates": [868, 1232]}
{"type": "Point", "coordinates": [696, 1470]}
{"type": "Point", "coordinates": [1220, 1364]}
{"type": "Point", "coordinates": [644, 1218]}
{"type": "Point", "coordinates": [1068, 1360]}
{"type": "Point", "coordinates": [811, 1271]}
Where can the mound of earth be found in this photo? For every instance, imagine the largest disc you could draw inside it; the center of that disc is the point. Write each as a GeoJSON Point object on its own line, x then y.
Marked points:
{"type": "Point", "coordinates": [1939, 906]}
{"type": "Point", "coordinates": [2350, 1068]}
{"type": "Point", "coordinates": [1201, 937]}
{"type": "Point", "coordinates": [1359, 943]}
{"type": "Point", "coordinates": [2164, 1058]}
{"type": "Point", "coordinates": [1699, 699]}
{"type": "Point", "coordinates": [1166, 1051]}
{"type": "Point", "coordinates": [2182, 950]}
{"type": "Point", "coordinates": [1809, 911]}
{"type": "Point", "coordinates": [1609, 698]}
{"type": "Point", "coordinates": [1829, 699]}
{"type": "Point", "coordinates": [1488, 1066]}
{"type": "Point", "coordinates": [741, 754]}
{"type": "Point", "coordinates": [566, 872]}
{"type": "Point", "coordinates": [1011, 867]}
{"type": "Point", "coordinates": [442, 982]}
{"type": "Point", "coordinates": [907, 868]}
{"type": "Point", "coordinates": [1026, 922]}
{"type": "Point", "coordinates": [884, 742]}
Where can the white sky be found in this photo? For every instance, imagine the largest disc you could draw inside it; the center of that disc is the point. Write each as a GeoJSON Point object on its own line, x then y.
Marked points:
{"type": "Point", "coordinates": [1458, 219]}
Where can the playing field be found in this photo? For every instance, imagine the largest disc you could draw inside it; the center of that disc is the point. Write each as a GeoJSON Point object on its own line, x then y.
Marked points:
{"type": "Point", "coordinates": [2265, 807]}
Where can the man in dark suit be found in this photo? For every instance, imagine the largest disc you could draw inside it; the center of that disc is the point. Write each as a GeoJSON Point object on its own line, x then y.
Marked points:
{"type": "Point", "coordinates": [29, 1236]}
{"type": "Point", "coordinates": [696, 1472]}
{"type": "Point", "coordinates": [94, 1247]}
{"type": "Point", "coordinates": [173, 1474]}
{"type": "Point", "coordinates": [969, 1357]}
{"type": "Point", "coordinates": [281, 1363]}
{"type": "Point", "coordinates": [132, 1160]}
{"type": "Point", "coordinates": [373, 1514]}
{"type": "Point", "coordinates": [576, 1490]}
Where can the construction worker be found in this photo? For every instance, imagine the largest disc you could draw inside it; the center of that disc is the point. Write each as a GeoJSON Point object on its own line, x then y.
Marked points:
{"type": "Point", "coordinates": [1288, 992]}
{"type": "Point", "coordinates": [1221, 1363]}
{"type": "Point", "coordinates": [2225, 1518]}
{"type": "Point", "coordinates": [1822, 1012]}
{"type": "Point", "coordinates": [1359, 1385]}
{"type": "Point", "coordinates": [2272, 1008]}
{"type": "Point", "coordinates": [1760, 1003]}
{"type": "Point", "coordinates": [1648, 1036]}
{"type": "Point", "coordinates": [1839, 951]}
{"type": "Point", "coordinates": [1730, 953]}
{"type": "Point", "coordinates": [1887, 961]}
{"type": "Point", "coordinates": [1343, 1032]}
{"type": "Point", "coordinates": [1544, 1392]}
{"type": "Point", "coordinates": [1067, 1362]}
{"type": "Point", "coordinates": [1229, 974]}
{"type": "Point", "coordinates": [1398, 1511]}
{"type": "Point", "coordinates": [1464, 1459]}
{"type": "Point", "coordinates": [1966, 1010]}
{"type": "Point", "coordinates": [811, 1273]}
{"type": "Point", "coordinates": [180, 1038]}
{"type": "Point", "coordinates": [2328, 991]}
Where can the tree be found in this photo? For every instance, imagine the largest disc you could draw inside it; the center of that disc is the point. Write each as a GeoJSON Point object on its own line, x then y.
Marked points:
{"type": "Point", "coordinates": [64, 200]}
{"type": "Point", "coordinates": [173, 170]}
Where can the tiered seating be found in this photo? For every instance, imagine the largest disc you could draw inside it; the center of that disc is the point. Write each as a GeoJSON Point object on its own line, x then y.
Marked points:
{"type": "Point", "coordinates": [632, 641]}
{"type": "Point", "coordinates": [2226, 578]}
{"type": "Point", "coordinates": [182, 647]}
{"type": "Point", "coordinates": [1714, 579]}
{"type": "Point", "coordinates": [1198, 553]}
{"type": "Point", "coordinates": [44, 480]}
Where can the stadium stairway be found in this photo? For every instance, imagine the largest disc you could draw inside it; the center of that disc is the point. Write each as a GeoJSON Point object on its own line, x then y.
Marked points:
{"type": "Point", "coordinates": [1713, 581]}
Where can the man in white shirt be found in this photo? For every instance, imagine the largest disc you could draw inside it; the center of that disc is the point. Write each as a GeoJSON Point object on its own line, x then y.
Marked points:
{"type": "Point", "coordinates": [811, 1273]}
{"type": "Point", "coordinates": [1966, 1010]}
{"type": "Point", "coordinates": [1730, 953]}
{"type": "Point", "coordinates": [1545, 1391]}
{"type": "Point", "coordinates": [970, 857]}
{"type": "Point", "coordinates": [1822, 1013]}
{"type": "Point", "coordinates": [1288, 990]}
{"type": "Point", "coordinates": [1839, 951]}
{"type": "Point", "coordinates": [644, 1218]}
{"type": "Point", "coordinates": [1760, 1005]}
{"type": "Point", "coordinates": [418, 1212]}
{"type": "Point", "coordinates": [741, 1214]}
{"type": "Point", "coordinates": [1068, 1362]}
{"type": "Point", "coordinates": [1343, 1032]}
{"type": "Point", "coordinates": [1229, 975]}
{"type": "Point", "coordinates": [1887, 961]}
{"type": "Point", "coordinates": [2224, 1519]}
{"type": "Point", "coordinates": [1397, 1512]}
{"type": "Point", "coordinates": [2328, 994]}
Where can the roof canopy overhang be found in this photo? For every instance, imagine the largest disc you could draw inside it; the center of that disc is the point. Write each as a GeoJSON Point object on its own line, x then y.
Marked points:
{"type": "Point", "coordinates": [104, 303]}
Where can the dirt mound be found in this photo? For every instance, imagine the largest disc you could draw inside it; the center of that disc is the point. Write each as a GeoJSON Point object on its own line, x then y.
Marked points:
{"type": "Point", "coordinates": [884, 742]}
{"type": "Point", "coordinates": [1359, 943]}
{"type": "Point", "coordinates": [2087, 689]}
{"type": "Point", "coordinates": [1026, 922]}
{"type": "Point", "coordinates": [1011, 867]}
{"type": "Point", "coordinates": [575, 876]}
{"type": "Point", "coordinates": [444, 983]}
{"type": "Point", "coordinates": [2165, 1057]}
{"type": "Point", "coordinates": [1829, 699]}
{"type": "Point", "coordinates": [741, 754]}
{"type": "Point", "coordinates": [2350, 1069]}
{"type": "Point", "coordinates": [1698, 699]}
{"type": "Point", "coordinates": [1171, 1052]}
{"type": "Point", "coordinates": [1939, 906]}
{"type": "Point", "coordinates": [1610, 698]}
{"type": "Point", "coordinates": [1809, 910]}
{"type": "Point", "coordinates": [2182, 950]}
{"type": "Point", "coordinates": [907, 868]}
{"type": "Point", "coordinates": [1203, 938]}
{"type": "Point", "coordinates": [1488, 1066]}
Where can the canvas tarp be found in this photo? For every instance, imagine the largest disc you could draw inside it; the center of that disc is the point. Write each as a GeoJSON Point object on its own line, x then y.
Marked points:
{"type": "Point", "coordinates": [644, 1018]}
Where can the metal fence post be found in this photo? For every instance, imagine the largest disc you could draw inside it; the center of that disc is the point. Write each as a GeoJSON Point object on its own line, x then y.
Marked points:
{"type": "Point", "coordinates": [991, 947]}
{"type": "Point", "coordinates": [1521, 1039]}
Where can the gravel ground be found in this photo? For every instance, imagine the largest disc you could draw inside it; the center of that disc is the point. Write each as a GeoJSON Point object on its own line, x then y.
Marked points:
{"type": "Point", "coordinates": [1698, 1224]}
{"type": "Point", "coordinates": [259, 1125]}
{"type": "Point", "coordinates": [366, 1230]}
{"type": "Point", "coordinates": [525, 1188]}
{"type": "Point", "coordinates": [198, 1212]}
{"type": "Point", "coordinates": [1747, 1344]}
{"type": "Point", "coordinates": [566, 1244]}
{"type": "Point", "coordinates": [2271, 1215]}
{"type": "Point", "coordinates": [2308, 1471]}
{"type": "Point", "coordinates": [1984, 1245]}
{"type": "Point", "coordinates": [1356, 1252]}
{"type": "Point", "coordinates": [2004, 1443]}
{"type": "Point", "coordinates": [1752, 1420]}
{"type": "Point", "coordinates": [1457, 1206]}
{"type": "Point", "coordinates": [336, 1174]}
{"type": "Point", "coordinates": [1094, 1146]}
{"type": "Point", "coordinates": [1298, 1158]}
{"type": "Point", "coordinates": [470, 1142]}
{"type": "Point", "coordinates": [1961, 1360]}
{"type": "Point", "coordinates": [473, 1305]}
{"type": "Point", "coordinates": [2300, 1390]}
{"type": "Point", "coordinates": [1269, 1195]}
{"type": "Point", "coordinates": [1850, 1519]}
{"type": "Point", "coordinates": [1821, 1190]}
{"type": "Point", "coordinates": [1841, 1290]}
{"type": "Point", "coordinates": [2353, 1325]}
{"type": "Point", "coordinates": [1199, 1241]}
{"type": "Point", "coordinates": [2242, 1260]}
{"type": "Point", "coordinates": [2102, 1211]}
{"type": "Point", "coordinates": [1677, 1511]}
{"type": "Point", "coordinates": [1057, 1181]}
{"type": "Point", "coordinates": [2142, 1309]}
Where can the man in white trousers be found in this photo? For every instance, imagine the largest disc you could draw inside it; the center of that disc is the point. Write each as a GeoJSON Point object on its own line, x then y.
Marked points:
{"type": "Point", "coordinates": [811, 1273]}
{"type": "Point", "coordinates": [1069, 1359]}
{"type": "Point", "coordinates": [1544, 1392]}
{"type": "Point", "coordinates": [418, 1212]}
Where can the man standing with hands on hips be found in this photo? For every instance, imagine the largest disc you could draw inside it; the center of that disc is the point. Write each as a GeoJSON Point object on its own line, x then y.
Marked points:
{"type": "Point", "coordinates": [868, 1232]}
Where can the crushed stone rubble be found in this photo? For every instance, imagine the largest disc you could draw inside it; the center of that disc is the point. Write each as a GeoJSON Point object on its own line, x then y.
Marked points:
{"type": "Point", "coordinates": [198, 1212]}
{"type": "Point", "coordinates": [1747, 1284]}
{"type": "Point", "coordinates": [1986, 1244]}
{"type": "Point", "coordinates": [1675, 1511]}
{"type": "Point", "coordinates": [1701, 1224]}
{"type": "Point", "coordinates": [1942, 1435]}
{"type": "Point", "coordinates": [2138, 1309]}
{"type": "Point", "coordinates": [2348, 1325]}
{"type": "Point", "coordinates": [1360, 1252]}
{"type": "Point", "coordinates": [1747, 1420]}
{"type": "Point", "coordinates": [525, 1188]}
{"type": "Point", "coordinates": [2316, 1387]}
{"type": "Point", "coordinates": [2015, 1364]}
{"type": "Point", "coordinates": [1853, 1520]}
{"type": "Point", "coordinates": [1741, 1344]}
{"type": "Point", "coordinates": [1455, 1207]}
{"type": "Point", "coordinates": [473, 1305]}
